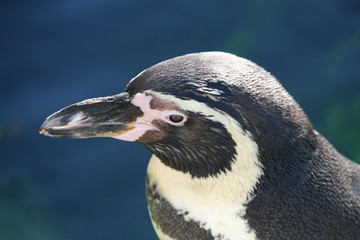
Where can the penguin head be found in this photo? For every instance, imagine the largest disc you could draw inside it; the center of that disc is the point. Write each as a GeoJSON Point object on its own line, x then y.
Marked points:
{"type": "Point", "coordinates": [198, 113]}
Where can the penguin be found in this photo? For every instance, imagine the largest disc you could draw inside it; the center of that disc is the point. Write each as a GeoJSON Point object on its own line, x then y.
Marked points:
{"type": "Point", "coordinates": [234, 155]}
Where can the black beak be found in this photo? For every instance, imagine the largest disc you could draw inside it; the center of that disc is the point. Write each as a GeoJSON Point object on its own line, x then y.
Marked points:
{"type": "Point", "coordinates": [95, 117]}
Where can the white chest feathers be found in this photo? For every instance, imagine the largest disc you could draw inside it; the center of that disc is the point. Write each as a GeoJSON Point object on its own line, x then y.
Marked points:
{"type": "Point", "coordinates": [216, 203]}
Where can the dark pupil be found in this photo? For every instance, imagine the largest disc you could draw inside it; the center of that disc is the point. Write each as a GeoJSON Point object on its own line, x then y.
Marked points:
{"type": "Point", "coordinates": [176, 118]}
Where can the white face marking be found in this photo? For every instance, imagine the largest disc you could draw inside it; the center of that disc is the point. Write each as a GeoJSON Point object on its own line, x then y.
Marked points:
{"type": "Point", "coordinates": [144, 123]}
{"type": "Point", "coordinates": [218, 202]}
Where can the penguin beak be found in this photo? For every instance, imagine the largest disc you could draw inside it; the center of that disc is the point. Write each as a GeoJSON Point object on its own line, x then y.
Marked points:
{"type": "Point", "coordinates": [95, 117]}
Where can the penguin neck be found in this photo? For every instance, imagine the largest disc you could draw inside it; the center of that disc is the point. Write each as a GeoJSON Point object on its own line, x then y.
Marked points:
{"type": "Point", "coordinates": [231, 186]}
{"type": "Point", "coordinates": [217, 202]}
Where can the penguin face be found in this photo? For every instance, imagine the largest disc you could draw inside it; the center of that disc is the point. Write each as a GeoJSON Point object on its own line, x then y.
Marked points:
{"type": "Point", "coordinates": [198, 113]}
{"type": "Point", "coordinates": [181, 134]}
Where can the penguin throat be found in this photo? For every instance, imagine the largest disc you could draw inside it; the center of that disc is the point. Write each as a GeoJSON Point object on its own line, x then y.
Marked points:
{"type": "Point", "coordinates": [214, 203]}
{"type": "Point", "coordinates": [200, 160]}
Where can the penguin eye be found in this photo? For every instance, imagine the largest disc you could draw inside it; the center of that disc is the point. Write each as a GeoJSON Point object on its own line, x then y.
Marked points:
{"type": "Point", "coordinates": [175, 118]}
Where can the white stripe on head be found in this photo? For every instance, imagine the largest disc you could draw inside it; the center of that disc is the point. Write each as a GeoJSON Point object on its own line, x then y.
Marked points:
{"type": "Point", "coordinates": [218, 202]}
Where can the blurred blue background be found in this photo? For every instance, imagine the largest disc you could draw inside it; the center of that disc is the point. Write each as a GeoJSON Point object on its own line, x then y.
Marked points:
{"type": "Point", "coordinates": [54, 53]}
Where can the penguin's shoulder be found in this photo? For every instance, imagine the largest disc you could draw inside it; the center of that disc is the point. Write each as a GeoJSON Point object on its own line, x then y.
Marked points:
{"type": "Point", "coordinates": [322, 190]}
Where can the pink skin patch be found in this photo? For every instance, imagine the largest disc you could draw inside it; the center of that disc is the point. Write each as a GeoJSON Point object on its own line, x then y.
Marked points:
{"type": "Point", "coordinates": [144, 123]}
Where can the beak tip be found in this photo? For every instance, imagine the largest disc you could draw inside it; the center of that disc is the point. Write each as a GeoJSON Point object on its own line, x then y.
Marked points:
{"type": "Point", "coordinates": [42, 130]}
